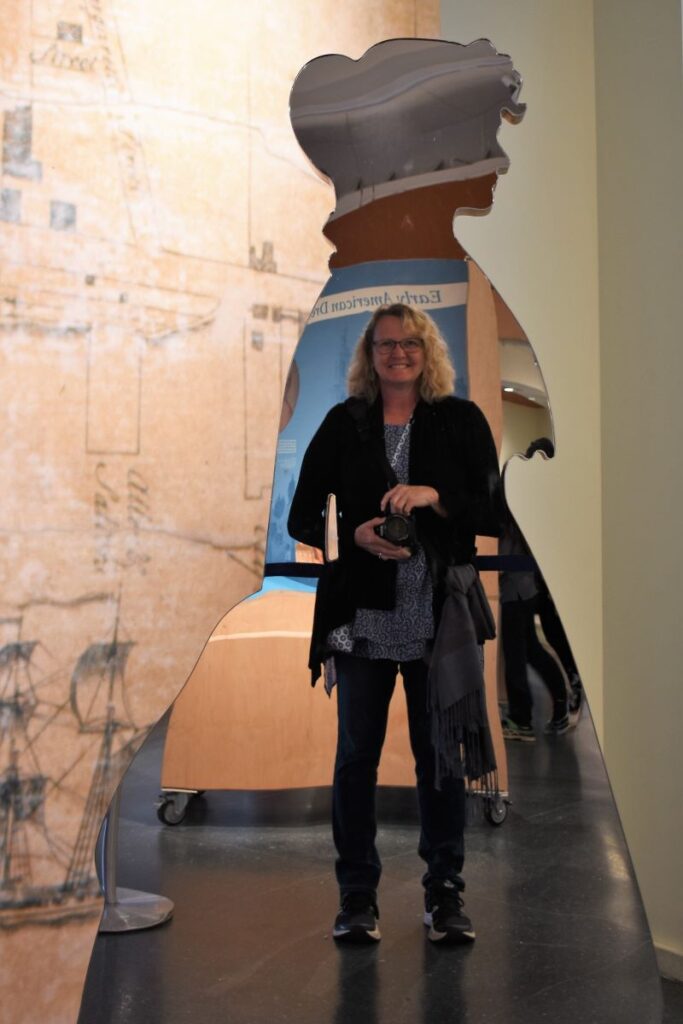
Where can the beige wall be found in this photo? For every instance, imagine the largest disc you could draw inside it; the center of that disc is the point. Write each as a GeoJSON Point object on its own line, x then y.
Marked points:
{"type": "Point", "coordinates": [609, 70]}
{"type": "Point", "coordinates": [521, 425]}
{"type": "Point", "coordinates": [640, 155]}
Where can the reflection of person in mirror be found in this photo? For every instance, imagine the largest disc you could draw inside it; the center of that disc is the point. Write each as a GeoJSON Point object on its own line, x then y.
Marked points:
{"type": "Point", "coordinates": [551, 622]}
{"type": "Point", "coordinates": [402, 452]}
{"type": "Point", "coordinates": [554, 632]}
{"type": "Point", "coordinates": [524, 595]}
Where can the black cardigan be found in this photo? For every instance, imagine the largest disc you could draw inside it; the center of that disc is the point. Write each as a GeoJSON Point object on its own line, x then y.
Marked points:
{"type": "Point", "coordinates": [451, 449]}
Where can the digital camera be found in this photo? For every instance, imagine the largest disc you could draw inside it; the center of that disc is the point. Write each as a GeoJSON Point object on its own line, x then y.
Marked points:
{"type": "Point", "coordinates": [399, 530]}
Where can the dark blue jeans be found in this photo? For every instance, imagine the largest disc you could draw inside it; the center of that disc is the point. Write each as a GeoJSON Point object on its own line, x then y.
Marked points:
{"type": "Point", "coordinates": [364, 690]}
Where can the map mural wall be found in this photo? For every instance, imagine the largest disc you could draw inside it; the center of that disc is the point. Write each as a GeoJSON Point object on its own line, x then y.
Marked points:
{"type": "Point", "coordinates": [162, 248]}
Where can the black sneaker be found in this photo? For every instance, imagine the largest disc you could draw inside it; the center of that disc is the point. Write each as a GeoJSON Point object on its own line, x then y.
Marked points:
{"type": "Point", "coordinates": [444, 916]}
{"type": "Point", "coordinates": [557, 726]}
{"type": "Point", "coordinates": [357, 918]}
{"type": "Point", "coordinates": [576, 695]}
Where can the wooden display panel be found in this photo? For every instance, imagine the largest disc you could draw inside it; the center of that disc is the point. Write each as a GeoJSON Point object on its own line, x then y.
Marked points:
{"type": "Point", "coordinates": [248, 717]}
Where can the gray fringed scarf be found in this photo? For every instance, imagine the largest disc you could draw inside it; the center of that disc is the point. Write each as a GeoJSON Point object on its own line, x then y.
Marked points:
{"type": "Point", "coordinates": [457, 703]}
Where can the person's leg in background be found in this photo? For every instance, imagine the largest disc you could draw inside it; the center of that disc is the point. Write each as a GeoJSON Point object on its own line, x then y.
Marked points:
{"type": "Point", "coordinates": [553, 629]}
{"type": "Point", "coordinates": [551, 674]}
{"type": "Point", "coordinates": [514, 629]}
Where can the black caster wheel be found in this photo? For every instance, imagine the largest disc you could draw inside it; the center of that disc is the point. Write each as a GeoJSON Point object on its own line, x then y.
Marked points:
{"type": "Point", "coordinates": [172, 808]}
{"type": "Point", "coordinates": [496, 811]}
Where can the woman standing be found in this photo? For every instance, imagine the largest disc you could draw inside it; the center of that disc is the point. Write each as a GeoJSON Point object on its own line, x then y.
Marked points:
{"type": "Point", "coordinates": [400, 445]}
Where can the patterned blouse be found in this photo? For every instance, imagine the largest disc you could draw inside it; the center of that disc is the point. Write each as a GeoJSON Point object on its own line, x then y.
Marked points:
{"type": "Point", "coordinates": [400, 634]}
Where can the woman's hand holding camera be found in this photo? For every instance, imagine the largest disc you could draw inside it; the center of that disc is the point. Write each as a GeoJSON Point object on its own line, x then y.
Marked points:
{"type": "Point", "coordinates": [366, 538]}
{"type": "Point", "coordinates": [403, 498]}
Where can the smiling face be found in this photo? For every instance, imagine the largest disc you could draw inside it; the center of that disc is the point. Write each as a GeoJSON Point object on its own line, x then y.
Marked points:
{"type": "Point", "coordinates": [396, 368]}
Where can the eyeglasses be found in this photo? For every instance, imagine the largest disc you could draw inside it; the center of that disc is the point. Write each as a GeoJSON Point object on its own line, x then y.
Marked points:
{"type": "Point", "coordinates": [387, 345]}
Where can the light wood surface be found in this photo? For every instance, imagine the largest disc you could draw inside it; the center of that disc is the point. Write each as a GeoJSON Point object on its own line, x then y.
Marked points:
{"type": "Point", "coordinates": [248, 717]}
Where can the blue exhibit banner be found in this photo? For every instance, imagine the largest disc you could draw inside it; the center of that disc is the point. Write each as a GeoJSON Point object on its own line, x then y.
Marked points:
{"type": "Point", "coordinates": [438, 287]}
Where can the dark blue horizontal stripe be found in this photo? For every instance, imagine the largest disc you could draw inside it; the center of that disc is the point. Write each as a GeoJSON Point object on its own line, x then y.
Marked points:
{"type": "Point", "coordinates": [485, 563]}
{"type": "Point", "coordinates": [505, 563]}
{"type": "Point", "coordinates": [304, 570]}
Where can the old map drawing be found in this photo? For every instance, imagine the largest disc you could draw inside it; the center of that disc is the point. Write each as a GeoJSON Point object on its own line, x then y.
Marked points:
{"type": "Point", "coordinates": [161, 249]}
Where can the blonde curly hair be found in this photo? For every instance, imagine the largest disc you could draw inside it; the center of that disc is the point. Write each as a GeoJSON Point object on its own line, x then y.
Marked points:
{"type": "Point", "coordinates": [438, 376]}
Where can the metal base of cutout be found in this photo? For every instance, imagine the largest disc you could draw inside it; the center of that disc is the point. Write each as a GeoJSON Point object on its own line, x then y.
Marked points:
{"type": "Point", "coordinates": [134, 910]}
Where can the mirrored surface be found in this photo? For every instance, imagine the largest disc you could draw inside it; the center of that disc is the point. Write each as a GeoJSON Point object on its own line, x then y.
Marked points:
{"type": "Point", "coordinates": [409, 113]}
{"type": "Point", "coordinates": [400, 178]}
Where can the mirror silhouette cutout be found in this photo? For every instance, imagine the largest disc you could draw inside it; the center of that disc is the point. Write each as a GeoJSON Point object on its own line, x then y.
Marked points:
{"type": "Point", "coordinates": [408, 137]}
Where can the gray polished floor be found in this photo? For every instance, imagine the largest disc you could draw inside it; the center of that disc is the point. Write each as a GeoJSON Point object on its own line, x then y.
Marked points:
{"type": "Point", "coordinates": [561, 934]}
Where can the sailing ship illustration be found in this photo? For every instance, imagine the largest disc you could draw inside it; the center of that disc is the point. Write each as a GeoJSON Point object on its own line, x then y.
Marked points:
{"type": "Point", "coordinates": [30, 851]}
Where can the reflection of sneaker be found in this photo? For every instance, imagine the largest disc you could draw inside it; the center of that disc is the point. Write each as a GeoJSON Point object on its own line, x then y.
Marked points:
{"type": "Point", "coordinates": [444, 916]}
{"type": "Point", "coordinates": [557, 726]}
{"type": "Point", "coordinates": [512, 731]}
{"type": "Point", "coordinates": [357, 918]}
